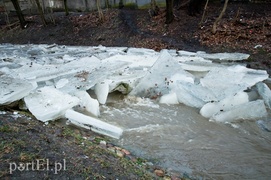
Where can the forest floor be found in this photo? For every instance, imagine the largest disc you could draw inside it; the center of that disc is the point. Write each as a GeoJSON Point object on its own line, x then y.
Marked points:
{"type": "Point", "coordinates": [244, 28]}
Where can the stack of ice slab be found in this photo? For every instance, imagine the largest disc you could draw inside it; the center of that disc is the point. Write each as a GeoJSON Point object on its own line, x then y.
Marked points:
{"type": "Point", "coordinates": [222, 92]}
{"type": "Point", "coordinates": [54, 82]}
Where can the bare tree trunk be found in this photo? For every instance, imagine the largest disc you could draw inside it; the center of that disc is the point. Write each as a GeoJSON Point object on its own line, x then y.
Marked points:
{"type": "Point", "coordinates": [204, 12]}
{"type": "Point", "coordinates": [6, 14]}
{"type": "Point", "coordinates": [20, 15]}
{"type": "Point", "coordinates": [214, 29]}
{"type": "Point", "coordinates": [169, 13]}
{"type": "Point", "coordinates": [41, 13]}
{"type": "Point", "coordinates": [100, 12]}
{"type": "Point", "coordinates": [121, 5]}
{"type": "Point", "coordinates": [107, 4]}
{"type": "Point", "coordinates": [154, 9]}
{"type": "Point", "coordinates": [66, 8]}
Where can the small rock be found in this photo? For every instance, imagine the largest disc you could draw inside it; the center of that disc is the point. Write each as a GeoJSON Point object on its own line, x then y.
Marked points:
{"type": "Point", "coordinates": [159, 172]}
{"type": "Point", "coordinates": [112, 149]}
{"type": "Point", "coordinates": [132, 158]}
{"type": "Point", "coordinates": [120, 153]}
{"type": "Point", "coordinates": [166, 178]}
{"type": "Point", "coordinates": [125, 151]}
{"type": "Point", "coordinates": [110, 145]}
{"type": "Point", "coordinates": [117, 148]}
{"type": "Point", "coordinates": [173, 177]}
{"type": "Point", "coordinates": [103, 144]}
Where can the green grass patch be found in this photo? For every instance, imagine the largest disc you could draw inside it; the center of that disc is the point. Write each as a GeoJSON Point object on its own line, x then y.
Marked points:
{"type": "Point", "coordinates": [5, 129]}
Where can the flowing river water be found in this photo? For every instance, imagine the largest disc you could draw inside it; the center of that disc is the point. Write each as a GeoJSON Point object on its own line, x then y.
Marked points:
{"type": "Point", "coordinates": [179, 139]}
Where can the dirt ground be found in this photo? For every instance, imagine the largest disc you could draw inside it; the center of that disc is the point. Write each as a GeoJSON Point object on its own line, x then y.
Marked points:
{"type": "Point", "coordinates": [244, 28]}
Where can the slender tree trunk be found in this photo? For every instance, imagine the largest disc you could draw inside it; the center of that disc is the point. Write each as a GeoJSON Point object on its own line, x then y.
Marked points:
{"type": "Point", "coordinates": [169, 13]}
{"type": "Point", "coordinates": [6, 14]}
{"type": "Point", "coordinates": [204, 12]}
{"type": "Point", "coordinates": [107, 4]}
{"type": "Point", "coordinates": [66, 8]}
{"type": "Point", "coordinates": [219, 17]}
{"type": "Point", "coordinates": [154, 9]}
{"type": "Point", "coordinates": [41, 13]}
{"type": "Point", "coordinates": [20, 15]}
{"type": "Point", "coordinates": [121, 5]}
{"type": "Point", "coordinates": [100, 12]}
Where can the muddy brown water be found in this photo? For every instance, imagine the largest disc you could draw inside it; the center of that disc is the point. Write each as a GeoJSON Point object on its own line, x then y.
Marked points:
{"type": "Point", "coordinates": [179, 139]}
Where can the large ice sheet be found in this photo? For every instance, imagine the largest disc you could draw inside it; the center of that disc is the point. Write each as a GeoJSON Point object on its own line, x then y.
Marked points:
{"type": "Point", "coordinates": [141, 51]}
{"type": "Point", "coordinates": [193, 95]}
{"type": "Point", "coordinates": [94, 124]}
{"type": "Point", "coordinates": [13, 89]}
{"type": "Point", "coordinates": [87, 103]}
{"type": "Point", "coordinates": [224, 82]}
{"type": "Point", "coordinates": [211, 108]}
{"type": "Point", "coordinates": [265, 93]}
{"type": "Point", "coordinates": [170, 98]}
{"type": "Point", "coordinates": [248, 111]}
{"type": "Point", "coordinates": [38, 72]}
{"type": "Point", "coordinates": [157, 80]}
{"type": "Point", "coordinates": [101, 90]}
{"type": "Point", "coordinates": [48, 103]}
{"type": "Point", "coordinates": [223, 56]}
{"type": "Point", "coordinates": [86, 79]}
{"type": "Point", "coordinates": [135, 61]}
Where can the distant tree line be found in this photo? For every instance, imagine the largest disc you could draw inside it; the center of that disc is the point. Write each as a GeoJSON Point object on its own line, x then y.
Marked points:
{"type": "Point", "coordinates": [193, 7]}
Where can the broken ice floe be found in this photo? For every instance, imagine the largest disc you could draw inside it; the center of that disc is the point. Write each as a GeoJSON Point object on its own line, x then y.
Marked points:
{"type": "Point", "coordinates": [54, 82]}
{"type": "Point", "coordinates": [13, 89]}
{"type": "Point", "coordinates": [48, 103]}
{"type": "Point", "coordinates": [94, 124]}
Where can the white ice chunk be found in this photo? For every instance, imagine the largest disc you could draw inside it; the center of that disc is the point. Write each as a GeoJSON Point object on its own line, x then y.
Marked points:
{"type": "Point", "coordinates": [223, 56]}
{"type": "Point", "coordinates": [51, 71]}
{"type": "Point", "coordinates": [95, 124]}
{"type": "Point", "coordinates": [193, 95]}
{"type": "Point", "coordinates": [181, 77]}
{"type": "Point", "coordinates": [141, 51]}
{"type": "Point", "coordinates": [172, 52]}
{"type": "Point", "coordinates": [265, 93]}
{"type": "Point", "coordinates": [157, 81]}
{"type": "Point", "coordinates": [186, 53]}
{"type": "Point", "coordinates": [125, 81]}
{"type": "Point", "coordinates": [84, 80]}
{"type": "Point", "coordinates": [61, 83]}
{"type": "Point", "coordinates": [101, 90]}
{"type": "Point", "coordinates": [211, 108]}
{"type": "Point", "coordinates": [87, 103]}
{"type": "Point", "coordinates": [224, 82]}
{"type": "Point", "coordinates": [12, 89]}
{"type": "Point", "coordinates": [199, 66]}
{"type": "Point", "coordinates": [36, 51]}
{"type": "Point", "coordinates": [117, 50]}
{"type": "Point", "coordinates": [48, 103]}
{"type": "Point", "coordinates": [136, 61]}
{"type": "Point", "coordinates": [248, 111]}
{"type": "Point", "coordinates": [265, 125]}
{"type": "Point", "coordinates": [170, 98]}
{"type": "Point", "coordinates": [191, 59]}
